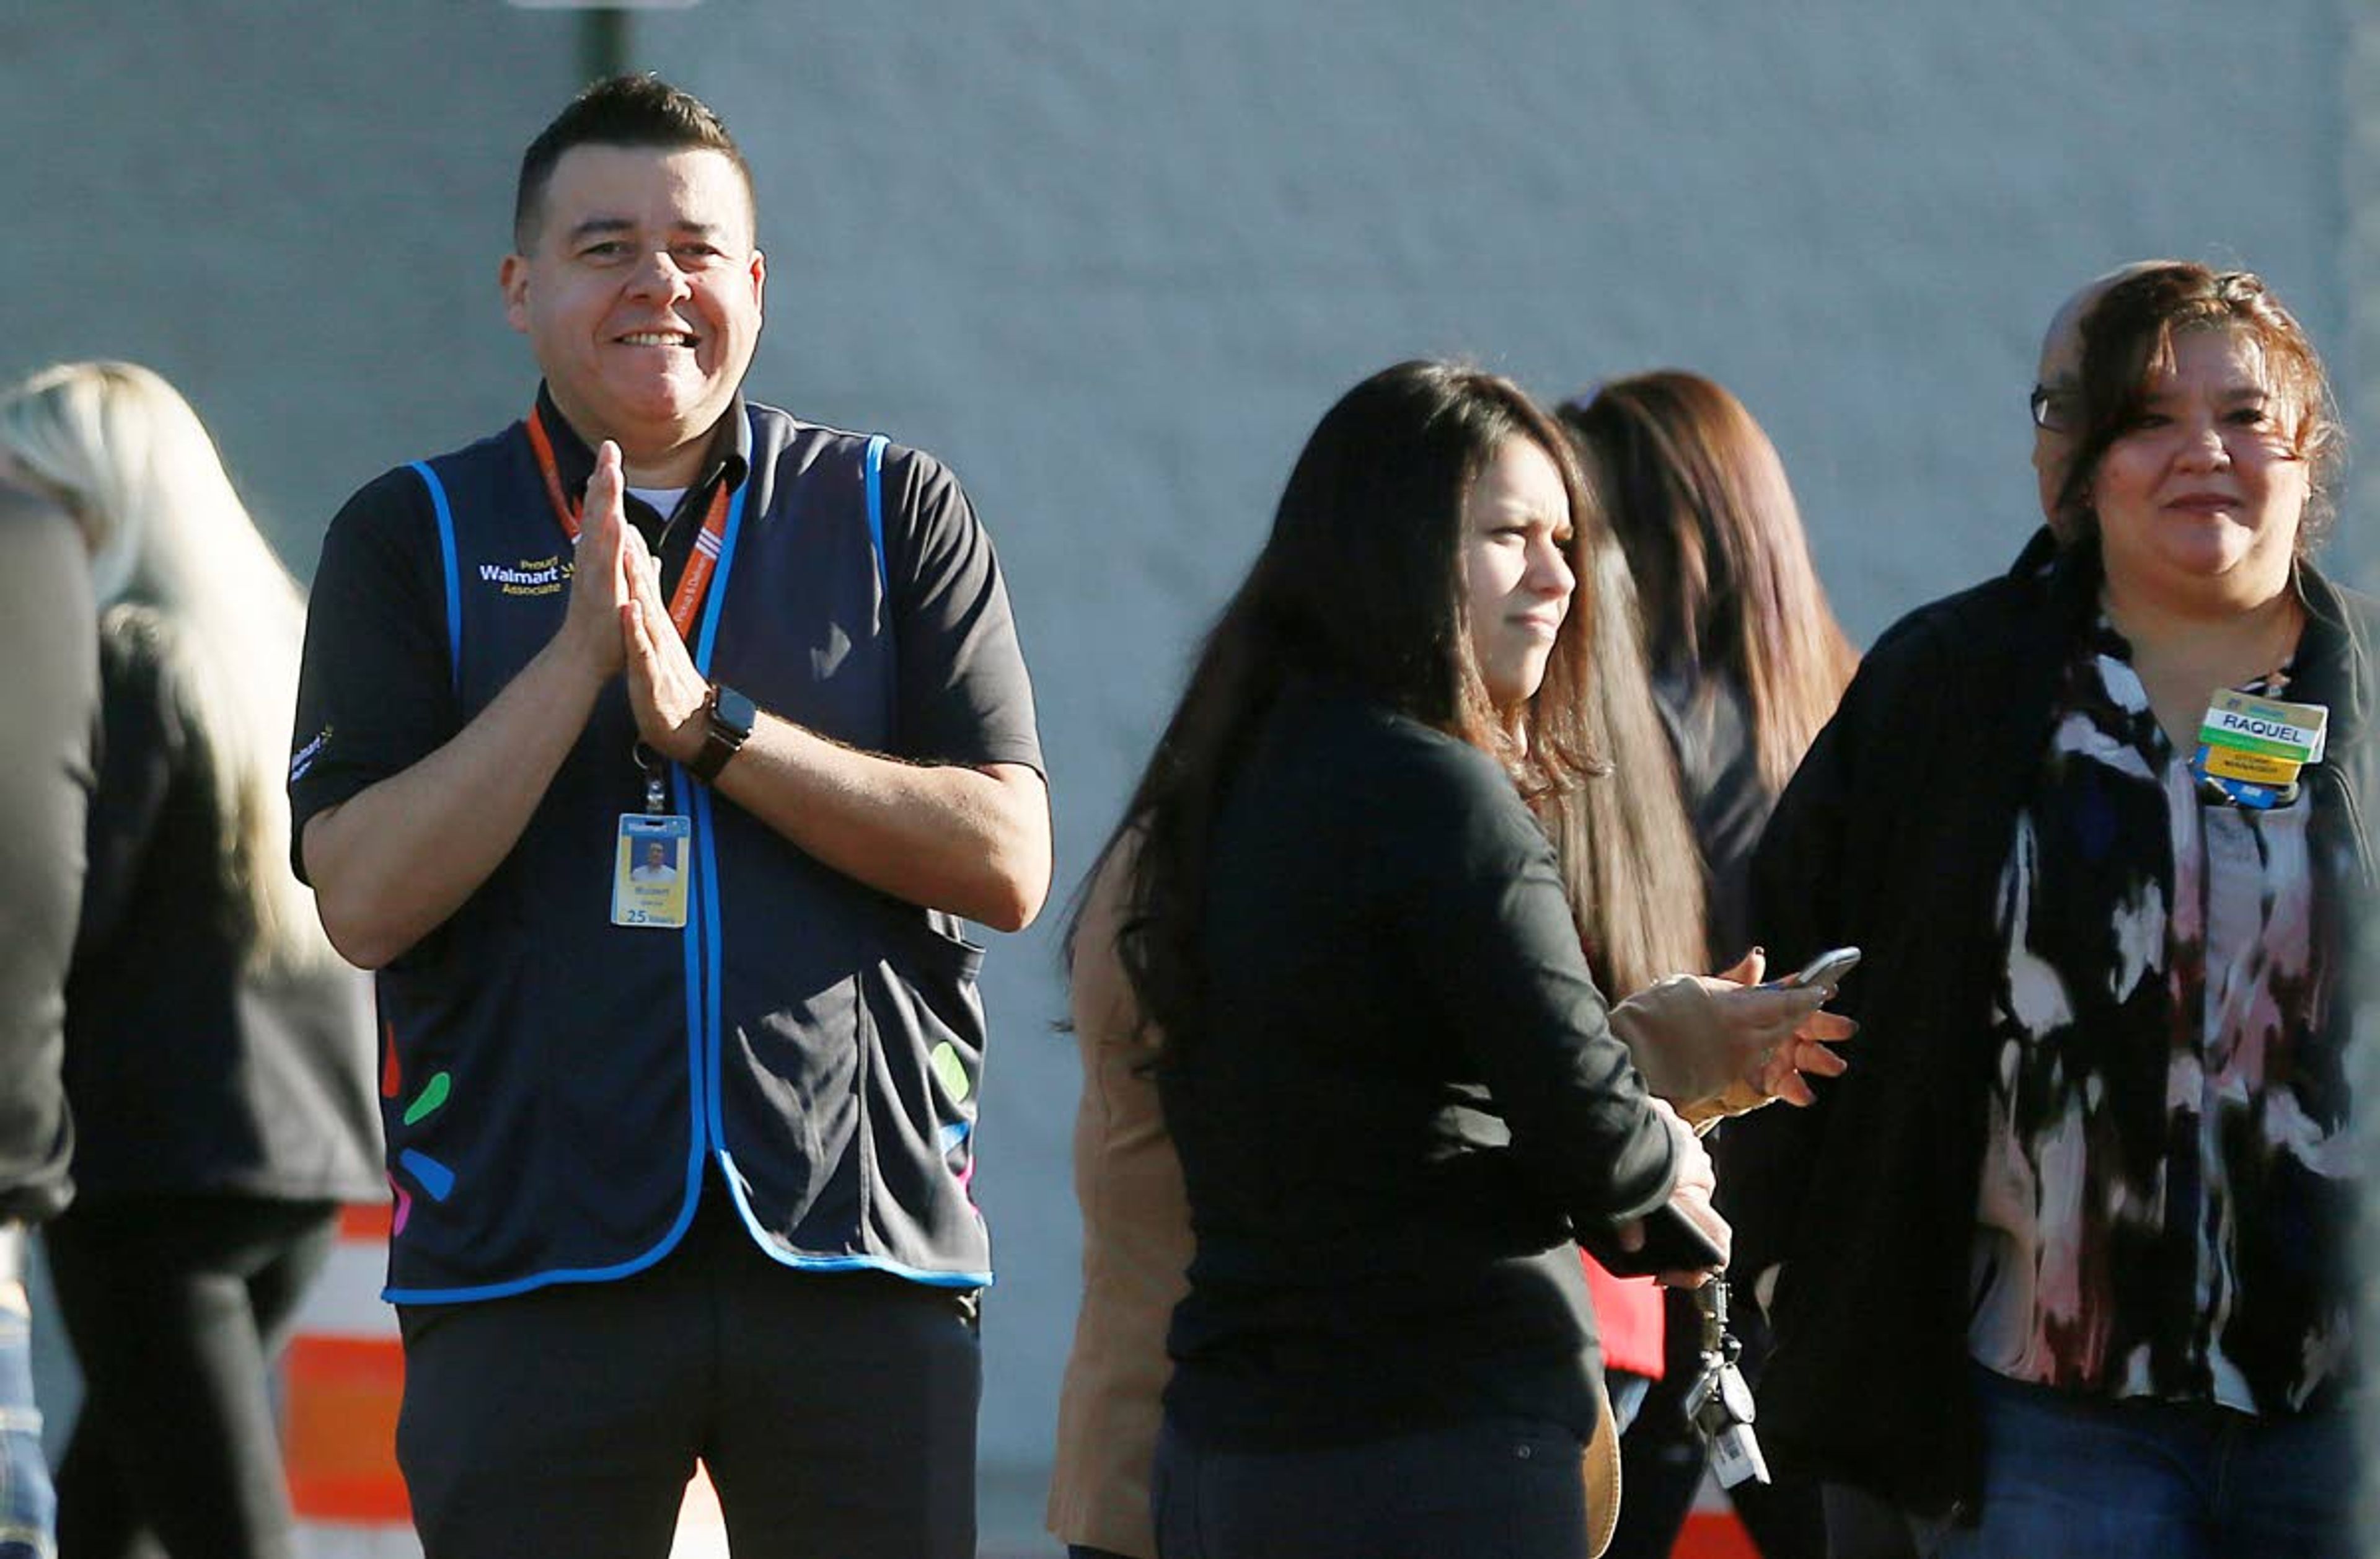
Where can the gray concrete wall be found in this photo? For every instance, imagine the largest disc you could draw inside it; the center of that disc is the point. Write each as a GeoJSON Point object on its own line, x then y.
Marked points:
{"type": "Point", "coordinates": [1112, 259]}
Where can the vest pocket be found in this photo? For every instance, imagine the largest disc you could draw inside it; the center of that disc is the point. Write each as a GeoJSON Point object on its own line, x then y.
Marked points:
{"type": "Point", "coordinates": [924, 1070]}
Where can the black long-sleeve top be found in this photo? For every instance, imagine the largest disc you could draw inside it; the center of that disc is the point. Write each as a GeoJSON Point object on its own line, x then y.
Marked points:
{"type": "Point", "coordinates": [1402, 1102]}
{"type": "Point", "coordinates": [187, 1074]}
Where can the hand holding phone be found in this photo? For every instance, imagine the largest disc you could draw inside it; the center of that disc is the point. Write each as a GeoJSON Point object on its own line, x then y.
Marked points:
{"type": "Point", "coordinates": [1828, 969]}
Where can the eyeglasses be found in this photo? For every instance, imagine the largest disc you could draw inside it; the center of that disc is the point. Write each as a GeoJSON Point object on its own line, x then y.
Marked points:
{"type": "Point", "coordinates": [2053, 410]}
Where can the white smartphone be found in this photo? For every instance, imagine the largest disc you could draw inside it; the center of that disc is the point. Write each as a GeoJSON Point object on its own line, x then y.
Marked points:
{"type": "Point", "coordinates": [1828, 969]}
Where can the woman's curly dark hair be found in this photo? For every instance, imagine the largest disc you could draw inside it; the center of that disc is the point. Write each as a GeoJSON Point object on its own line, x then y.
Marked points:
{"type": "Point", "coordinates": [2129, 336]}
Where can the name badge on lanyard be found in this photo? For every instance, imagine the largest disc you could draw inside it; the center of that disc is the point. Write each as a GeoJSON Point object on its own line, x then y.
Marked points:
{"type": "Point", "coordinates": [650, 861]}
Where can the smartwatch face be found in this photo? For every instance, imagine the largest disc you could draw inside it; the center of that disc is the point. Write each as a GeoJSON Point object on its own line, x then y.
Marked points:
{"type": "Point", "coordinates": [735, 712]}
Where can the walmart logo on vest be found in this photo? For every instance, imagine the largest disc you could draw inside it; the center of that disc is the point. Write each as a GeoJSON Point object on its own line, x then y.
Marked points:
{"type": "Point", "coordinates": [539, 576]}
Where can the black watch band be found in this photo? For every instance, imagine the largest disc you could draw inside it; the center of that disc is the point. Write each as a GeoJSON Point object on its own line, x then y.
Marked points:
{"type": "Point", "coordinates": [728, 720]}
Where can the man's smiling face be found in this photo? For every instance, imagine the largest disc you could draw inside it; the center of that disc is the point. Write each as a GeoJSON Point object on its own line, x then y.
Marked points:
{"type": "Point", "coordinates": [640, 295]}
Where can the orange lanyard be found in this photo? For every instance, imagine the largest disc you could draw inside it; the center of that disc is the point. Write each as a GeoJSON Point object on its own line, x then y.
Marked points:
{"type": "Point", "coordinates": [700, 564]}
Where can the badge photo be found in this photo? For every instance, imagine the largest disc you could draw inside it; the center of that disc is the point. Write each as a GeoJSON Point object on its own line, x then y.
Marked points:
{"type": "Point", "coordinates": [649, 872]}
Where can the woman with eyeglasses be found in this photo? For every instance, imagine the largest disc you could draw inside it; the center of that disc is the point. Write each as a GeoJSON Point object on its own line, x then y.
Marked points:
{"type": "Point", "coordinates": [2063, 1268]}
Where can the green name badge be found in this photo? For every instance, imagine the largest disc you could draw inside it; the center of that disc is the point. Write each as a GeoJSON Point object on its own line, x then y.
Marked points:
{"type": "Point", "coordinates": [2294, 733]}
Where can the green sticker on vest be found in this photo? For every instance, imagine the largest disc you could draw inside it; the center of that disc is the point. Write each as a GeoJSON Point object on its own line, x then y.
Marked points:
{"type": "Point", "coordinates": [951, 1072]}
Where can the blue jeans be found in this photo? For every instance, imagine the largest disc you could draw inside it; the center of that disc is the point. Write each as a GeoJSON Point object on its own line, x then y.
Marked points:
{"type": "Point", "coordinates": [2075, 1477]}
{"type": "Point", "coordinates": [29, 1506]}
{"type": "Point", "coordinates": [1627, 1391]}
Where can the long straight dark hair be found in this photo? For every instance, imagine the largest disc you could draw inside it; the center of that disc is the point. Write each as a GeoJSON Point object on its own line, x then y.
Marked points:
{"type": "Point", "coordinates": [1358, 584]}
{"type": "Point", "coordinates": [1629, 865]}
{"type": "Point", "coordinates": [1698, 498]}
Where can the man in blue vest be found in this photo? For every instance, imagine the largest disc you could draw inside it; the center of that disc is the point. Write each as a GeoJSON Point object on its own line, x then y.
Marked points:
{"type": "Point", "coordinates": [680, 1171]}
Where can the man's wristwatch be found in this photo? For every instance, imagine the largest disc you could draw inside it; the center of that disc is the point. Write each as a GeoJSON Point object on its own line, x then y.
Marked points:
{"type": "Point", "coordinates": [728, 720]}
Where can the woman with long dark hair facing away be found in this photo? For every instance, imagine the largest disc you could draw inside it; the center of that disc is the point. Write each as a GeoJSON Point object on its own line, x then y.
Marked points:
{"type": "Point", "coordinates": [1748, 664]}
{"type": "Point", "coordinates": [2067, 1270]}
{"type": "Point", "coordinates": [1389, 1075]}
{"type": "Point", "coordinates": [217, 1054]}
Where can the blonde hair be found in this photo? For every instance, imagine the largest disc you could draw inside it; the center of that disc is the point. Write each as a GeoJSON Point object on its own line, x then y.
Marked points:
{"type": "Point", "coordinates": [172, 547]}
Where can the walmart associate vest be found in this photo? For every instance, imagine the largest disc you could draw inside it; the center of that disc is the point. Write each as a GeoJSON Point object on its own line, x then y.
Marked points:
{"type": "Point", "coordinates": [556, 1087]}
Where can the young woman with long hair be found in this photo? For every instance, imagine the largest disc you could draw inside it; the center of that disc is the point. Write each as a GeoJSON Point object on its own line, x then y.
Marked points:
{"type": "Point", "coordinates": [217, 1055]}
{"type": "Point", "coordinates": [1389, 1075]}
{"type": "Point", "coordinates": [1635, 882]}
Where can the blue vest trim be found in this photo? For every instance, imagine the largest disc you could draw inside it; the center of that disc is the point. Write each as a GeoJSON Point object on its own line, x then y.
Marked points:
{"type": "Point", "coordinates": [702, 970]}
{"type": "Point", "coordinates": [710, 1096]}
{"type": "Point", "coordinates": [871, 465]}
{"type": "Point", "coordinates": [697, 1002]}
{"type": "Point", "coordinates": [804, 1262]}
{"type": "Point", "coordinates": [708, 928]}
{"type": "Point", "coordinates": [709, 1109]}
{"type": "Point", "coordinates": [874, 466]}
{"type": "Point", "coordinates": [454, 572]}
{"type": "Point", "coordinates": [612, 1273]}
{"type": "Point", "coordinates": [709, 637]}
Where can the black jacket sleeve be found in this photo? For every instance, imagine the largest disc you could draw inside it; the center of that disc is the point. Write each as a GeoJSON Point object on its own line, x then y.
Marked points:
{"type": "Point", "coordinates": [1806, 884]}
{"type": "Point", "coordinates": [1491, 937]}
{"type": "Point", "coordinates": [49, 701]}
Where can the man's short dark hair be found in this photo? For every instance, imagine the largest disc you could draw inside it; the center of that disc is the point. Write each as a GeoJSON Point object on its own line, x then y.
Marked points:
{"type": "Point", "coordinates": [621, 111]}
